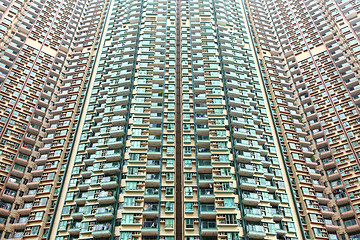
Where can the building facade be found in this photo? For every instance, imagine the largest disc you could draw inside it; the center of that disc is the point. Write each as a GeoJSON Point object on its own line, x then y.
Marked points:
{"type": "Point", "coordinates": [309, 56]}
{"type": "Point", "coordinates": [169, 119]}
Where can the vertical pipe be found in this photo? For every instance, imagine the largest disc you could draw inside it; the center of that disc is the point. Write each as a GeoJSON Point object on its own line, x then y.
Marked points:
{"type": "Point", "coordinates": [179, 230]}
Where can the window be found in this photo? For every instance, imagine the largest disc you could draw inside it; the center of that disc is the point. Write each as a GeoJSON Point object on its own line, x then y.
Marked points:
{"type": "Point", "coordinates": [39, 215]}
{"type": "Point", "coordinates": [169, 191]}
{"type": "Point", "coordinates": [189, 207]}
{"type": "Point", "coordinates": [187, 163]}
{"type": "Point", "coordinates": [230, 219]}
{"type": "Point", "coordinates": [128, 218]}
{"type": "Point", "coordinates": [73, 182]}
{"type": "Point", "coordinates": [169, 206]}
{"type": "Point", "coordinates": [62, 225]}
{"type": "Point", "coordinates": [188, 191]}
{"type": "Point", "coordinates": [136, 131]}
{"type": "Point", "coordinates": [129, 201]}
{"type": "Point", "coordinates": [229, 202]}
{"type": "Point", "coordinates": [189, 223]}
{"type": "Point", "coordinates": [291, 227]}
{"type": "Point", "coordinates": [35, 230]}
{"type": "Point", "coordinates": [170, 150]}
{"type": "Point", "coordinates": [43, 201]}
{"type": "Point", "coordinates": [233, 236]}
{"type": "Point", "coordinates": [223, 158]}
{"type": "Point", "coordinates": [66, 210]}
{"type": "Point", "coordinates": [131, 185]}
{"type": "Point", "coordinates": [170, 163]}
{"type": "Point", "coordinates": [69, 196]}
{"type": "Point", "coordinates": [133, 170]}
{"type": "Point", "coordinates": [169, 223]}
{"type": "Point", "coordinates": [187, 138]}
{"type": "Point", "coordinates": [126, 236]}
{"type": "Point", "coordinates": [226, 186]}
{"type": "Point", "coordinates": [170, 138]}
{"type": "Point", "coordinates": [170, 176]}
{"type": "Point", "coordinates": [135, 144]}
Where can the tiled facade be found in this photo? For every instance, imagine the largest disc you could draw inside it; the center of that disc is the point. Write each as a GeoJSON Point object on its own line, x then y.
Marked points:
{"type": "Point", "coordinates": [169, 119]}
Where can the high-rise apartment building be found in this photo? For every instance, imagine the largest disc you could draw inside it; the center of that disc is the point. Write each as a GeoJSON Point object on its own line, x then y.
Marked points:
{"type": "Point", "coordinates": [179, 119]}
{"type": "Point", "coordinates": [309, 55]}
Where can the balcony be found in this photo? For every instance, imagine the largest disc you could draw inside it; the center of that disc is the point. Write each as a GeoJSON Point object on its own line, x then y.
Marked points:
{"type": "Point", "coordinates": [253, 214]}
{"type": "Point", "coordinates": [314, 174]}
{"type": "Point", "coordinates": [204, 166]}
{"type": "Point", "coordinates": [248, 184]}
{"type": "Point", "coordinates": [204, 153]}
{"type": "Point", "coordinates": [151, 210]}
{"type": "Point", "coordinates": [78, 214]}
{"type": "Point", "coordinates": [318, 186]}
{"type": "Point", "coordinates": [250, 198]}
{"type": "Point", "coordinates": [241, 144]}
{"type": "Point", "coordinates": [330, 225]}
{"type": "Point", "coordinates": [2, 223]}
{"type": "Point", "coordinates": [74, 228]}
{"type": "Point", "coordinates": [351, 226]}
{"type": "Point", "coordinates": [153, 165]}
{"type": "Point", "coordinates": [155, 140]}
{"type": "Point", "coordinates": [84, 185]}
{"type": "Point", "coordinates": [207, 210]}
{"type": "Point", "coordinates": [150, 227]}
{"type": "Point", "coordinates": [205, 179]}
{"type": "Point", "coordinates": [202, 129]}
{"type": "Point", "coordinates": [154, 152]}
{"type": "Point", "coordinates": [101, 230]}
{"type": "Point", "coordinates": [104, 213]}
{"type": "Point", "coordinates": [203, 141]}
{"type": "Point", "coordinates": [113, 155]}
{"type": "Point", "coordinates": [256, 232]}
{"type": "Point", "coordinates": [280, 229]}
{"type": "Point", "coordinates": [322, 198]}
{"type": "Point", "coordinates": [9, 195]}
{"type": "Point", "coordinates": [151, 194]}
{"type": "Point", "coordinates": [152, 180]}
{"type": "Point", "coordinates": [155, 129]}
{"type": "Point", "coordinates": [20, 224]}
{"type": "Point", "coordinates": [87, 171]}
{"type": "Point", "coordinates": [13, 183]}
{"type": "Point", "coordinates": [246, 170]}
{"type": "Point", "coordinates": [332, 175]}
{"type": "Point", "coordinates": [106, 197]}
{"type": "Point", "coordinates": [347, 213]}
{"type": "Point", "coordinates": [207, 195]}
{"type": "Point", "coordinates": [208, 228]}
{"type": "Point", "coordinates": [244, 157]}
{"type": "Point", "coordinates": [273, 199]}
{"type": "Point", "coordinates": [111, 168]}
{"type": "Point", "coordinates": [109, 182]}
{"type": "Point", "coordinates": [326, 211]}
{"type": "Point", "coordinates": [114, 143]}
{"type": "Point", "coordinates": [25, 209]}
{"type": "Point", "coordinates": [277, 214]}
